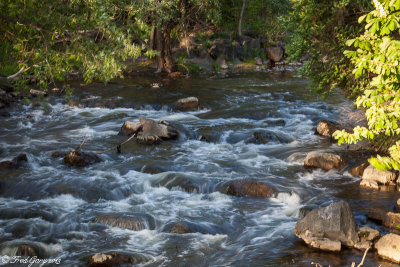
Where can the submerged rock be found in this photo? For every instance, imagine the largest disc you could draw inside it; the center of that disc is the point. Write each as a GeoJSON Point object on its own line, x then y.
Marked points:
{"type": "Point", "coordinates": [131, 222]}
{"type": "Point", "coordinates": [359, 170]}
{"type": "Point", "coordinates": [264, 137]}
{"type": "Point", "coordinates": [26, 251]}
{"type": "Point", "coordinates": [15, 162]}
{"type": "Point", "coordinates": [187, 104]}
{"type": "Point", "coordinates": [373, 178]}
{"type": "Point", "coordinates": [80, 159]}
{"type": "Point", "coordinates": [388, 247]}
{"type": "Point", "coordinates": [178, 228]}
{"type": "Point", "coordinates": [328, 228]}
{"type": "Point", "coordinates": [249, 188]}
{"type": "Point", "coordinates": [326, 128]}
{"type": "Point", "coordinates": [112, 259]}
{"type": "Point", "coordinates": [323, 160]}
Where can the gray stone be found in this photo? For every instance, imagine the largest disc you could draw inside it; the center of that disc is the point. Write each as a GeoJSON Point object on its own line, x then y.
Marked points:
{"type": "Point", "coordinates": [328, 228]}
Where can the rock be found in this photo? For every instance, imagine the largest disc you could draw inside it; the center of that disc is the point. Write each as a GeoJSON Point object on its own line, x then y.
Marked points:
{"type": "Point", "coordinates": [179, 228]}
{"type": "Point", "coordinates": [129, 128]}
{"type": "Point", "coordinates": [26, 251]}
{"type": "Point", "coordinates": [359, 170]}
{"type": "Point", "coordinates": [208, 138]}
{"type": "Point", "coordinates": [366, 236]}
{"type": "Point", "coordinates": [264, 137]}
{"type": "Point", "coordinates": [398, 204]}
{"type": "Point", "coordinates": [80, 159]}
{"type": "Point", "coordinates": [152, 130]}
{"type": "Point", "coordinates": [249, 188]}
{"type": "Point", "coordinates": [386, 218]}
{"type": "Point", "coordinates": [323, 160]}
{"type": "Point", "coordinates": [135, 223]}
{"type": "Point", "coordinates": [328, 228]}
{"type": "Point", "coordinates": [151, 169]}
{"type": "Point", "coordinates": [186, 104]}
{"type": "Point", "coordinates": [221, 62]}
{"type": "Point", "coordinates": [388, 247]}
{"type": "Point", "coordinates": [176, 75]}
{"type": "Point", "coordinates": [14, 163]}
{"type": "Point", "coordinates": [112, 259]}
{"type": "Point", "coordinates": [326, 128]}
{"type": "Point", "coordinates": [258, 61]}
{"type": "Point", "coordinates": [36, 93]}
{"type": "Point", "coordinates": [373, 178]}
{"type": "Point", "coordinates": [275, 53]}
{"type": "Point", "coordinates": [303, 212]}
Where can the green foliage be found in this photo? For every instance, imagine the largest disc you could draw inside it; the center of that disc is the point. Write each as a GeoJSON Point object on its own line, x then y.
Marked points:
{"type": "Point", "coordinates": [375, 58]}
{"type": "Point", "coordinates": [53, 38]}
{"type": "Point", "coordinates": [318, 31]}
{"type": "Point", "coordinates": [261, 17]}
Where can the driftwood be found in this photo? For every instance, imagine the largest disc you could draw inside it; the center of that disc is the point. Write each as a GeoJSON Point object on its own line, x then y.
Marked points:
{"type": "Point", "coordinates": [118, 147]}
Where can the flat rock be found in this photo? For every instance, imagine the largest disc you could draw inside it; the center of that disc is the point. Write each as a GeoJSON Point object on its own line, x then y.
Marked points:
{"type": "Point", "coordinates": [329, 227]}
{"type": "Point", "coordinates": [323, 160]}
{"type": "Point", "coordinates": [187, 104]}
{"type": "Point", "coordinates": [243, 188]}
{"type": "Point", "coordinates": [373, 178]}
{"type": "Point", "coordinates": [359, 170]}
{"type": "Point", "coordinates": [388, 247]}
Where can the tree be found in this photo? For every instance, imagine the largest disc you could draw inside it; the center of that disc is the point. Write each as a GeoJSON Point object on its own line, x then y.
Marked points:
{"type": "Point", "coordinates": [377, 58]}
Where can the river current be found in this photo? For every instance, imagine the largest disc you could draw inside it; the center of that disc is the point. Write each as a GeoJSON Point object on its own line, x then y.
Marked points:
{"type": "Point", "coordinates": [51, 206]}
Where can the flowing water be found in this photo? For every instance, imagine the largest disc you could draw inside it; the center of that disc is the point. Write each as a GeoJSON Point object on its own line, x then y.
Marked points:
{"type": "Point", "coordinates": [52, 206]}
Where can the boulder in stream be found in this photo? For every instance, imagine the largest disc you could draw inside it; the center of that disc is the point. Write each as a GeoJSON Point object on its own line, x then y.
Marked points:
{"type": "Point", "coordinates": [129, 128]}
{"type": "Point", "coordinates": [264, 137]}
{"type": "Point", "coordinates": [326, 128]}
{"type": "Point", "coordinates": [153, 132]}
{"type": "Point", "coordinates": [177, 228]}
{"type": "Point", "coordinates": [388, 247]}
{"type": "Point", "coordinates": [112, 259]}
{"type": "Point", "coordinates": [359, 170]}
{"type": "Point", "coordinates": [328, 228]}
{"type": "Point", "coordinates": [80, 159]}
{"type": "Point", "coordinates": [386, 218]}
{"type": "Point", "coordinates": [187, 104]}
{"type": "Point", "coordinates": [249, 188]}
{"type": "Point", "coordinates": [323, 160]}
{"type": "Point", "coordinates": [373, 178]}
{"type": "Point", "coordinates": [15, 162]}
{"type": "Point", "coordinates": [131, 222]}
{"type": "Point", "coordinates": [275, 53]}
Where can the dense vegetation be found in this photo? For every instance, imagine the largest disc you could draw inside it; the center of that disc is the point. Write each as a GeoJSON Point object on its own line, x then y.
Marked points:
{"type": "Point", "coordinates": [352, 45]}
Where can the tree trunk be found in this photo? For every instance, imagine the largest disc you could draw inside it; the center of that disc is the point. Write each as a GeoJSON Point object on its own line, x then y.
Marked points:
{"type": "Point", "coordinates": [169, 64]}
{"type": "Point", "coordinates": [152, 39]}
{"type": "Point", "coordinates": [163, 46]}
{"type": "Point", "coordinates": [160, 49]}
{"type": "Point", "coordinates": [241, 18]}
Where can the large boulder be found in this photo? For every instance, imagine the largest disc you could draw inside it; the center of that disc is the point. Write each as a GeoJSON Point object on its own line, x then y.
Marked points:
{"type": "Point", "coordinates": [14, 163]}
{"type": "Point", "coordinates": [249, 188]}
{"type": "Point", "coordinates": [373, 178]}
{"type": "Point", "coordinates": [153, 132]}
{"type": "Point", "coordinates": [187, 104]}
{"type": "Point", "coordinates": [275, 53]}
{"type": "Point", "coordinates": [80, 159]}
{"type": "Point", "coordinates": [129, 128]}
{"type": "Point", "coordinates": [388, 247]}
{"type": "Point", "coordinates": [323, 160]}
{"type": "Point", "coordinates": [112, 259]}
{"type": "Point", "coordinates": [326, 128]}
{"type": "Point", "coordinates": [131, 222]}
{"type": "Point", "coordinates": [328, 228]}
